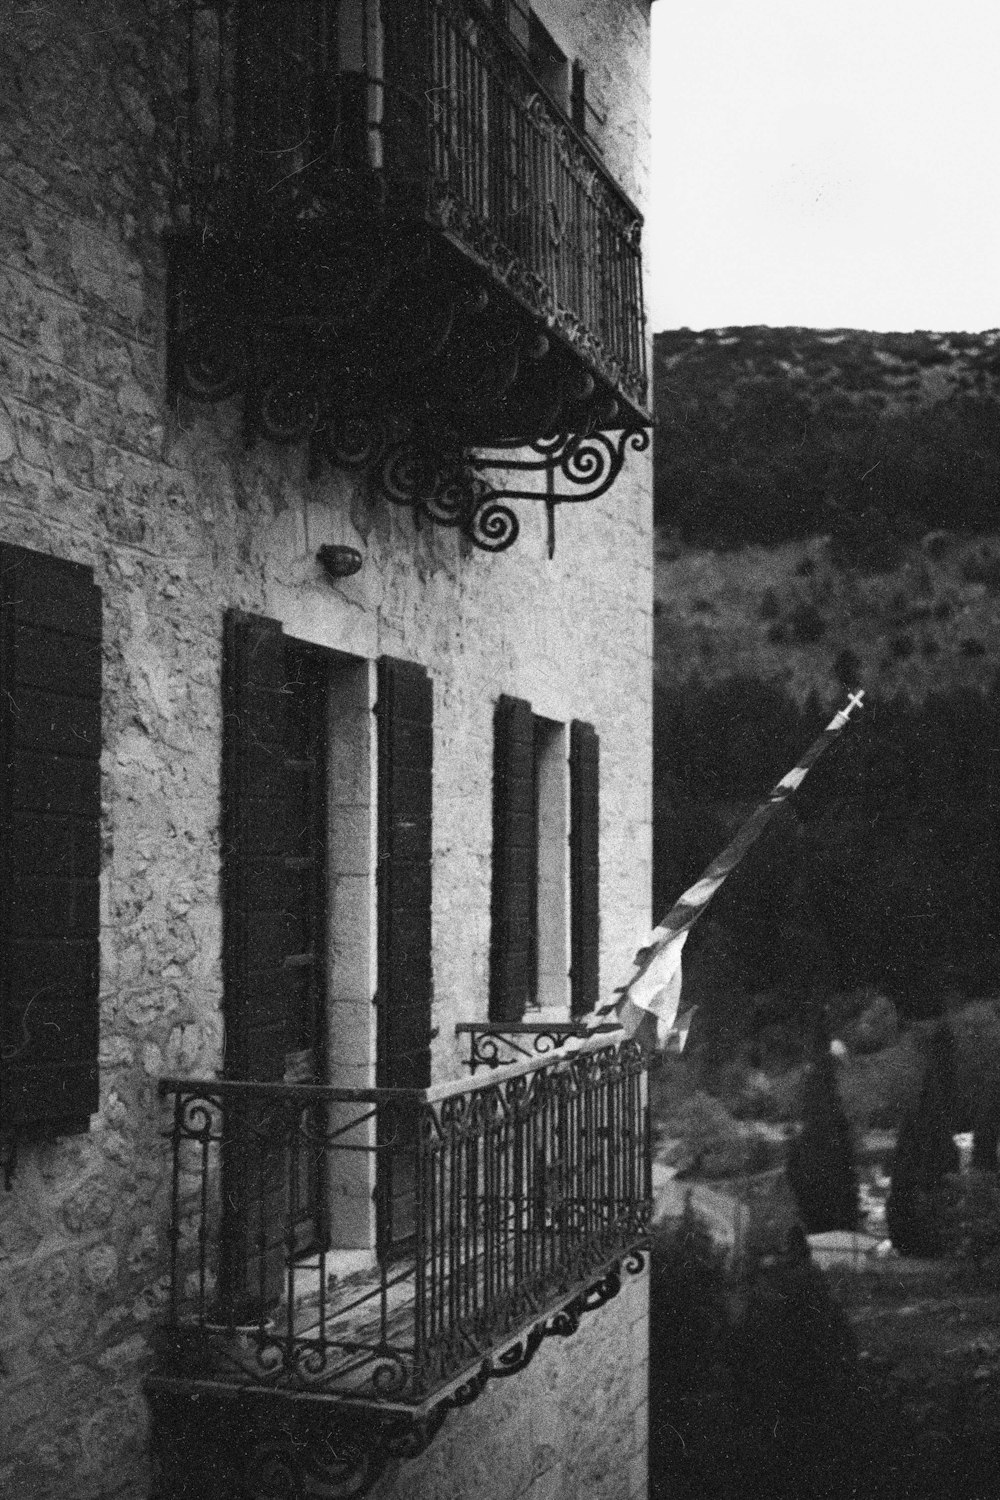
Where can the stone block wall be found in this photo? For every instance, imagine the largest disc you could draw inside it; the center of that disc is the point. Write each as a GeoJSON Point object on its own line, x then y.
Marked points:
{"type": "Point", "coordinates": [180, 521]}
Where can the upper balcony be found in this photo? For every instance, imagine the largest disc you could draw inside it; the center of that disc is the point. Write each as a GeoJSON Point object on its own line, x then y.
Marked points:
{"type": "Point", "coordinates": [386, 224]}
{"type": "Point", "coordinates": [516, 1199]}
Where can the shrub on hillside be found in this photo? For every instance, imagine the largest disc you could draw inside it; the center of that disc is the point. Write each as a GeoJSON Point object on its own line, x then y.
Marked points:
{"type": "Point", "coordinates": [975, 1031]}
{"type": "Point", "coordinates": [793, 1363]}
{"type": "Point", "coordinates": [713, 1144]}
{"type": "Point", "coordinates": [973, 1216]}
{"type": "Point", "coordinates": [688, 1326]}
{"type": "Point", "coordinates": [925, 1155]}
{"type": "Point", "coordinates": [877, 1090]}
{"type": "Point", "coordinates": [821, 1167]}
{"type": "Point", "coordinates": [688, 1291]}
{"type": "Point", "coordinates": [876, 1027]}
{"type": "Point", "coordinates": [714, 983]}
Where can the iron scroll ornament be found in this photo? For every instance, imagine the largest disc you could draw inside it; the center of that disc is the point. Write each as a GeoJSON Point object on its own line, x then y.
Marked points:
{"type": "Point", "coordinates": [290, 373]}
{"type": "Point", "coordinates": [447, 485]}
{"type": "Point", "coordinates": [445, 480]}
{"type": "Point", "coordinates": [577, 466]}
{"type": "Point", "coordinates": [323, 1451]}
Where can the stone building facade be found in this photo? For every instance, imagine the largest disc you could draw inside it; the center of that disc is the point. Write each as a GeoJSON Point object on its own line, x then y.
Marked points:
{"type": "Point", "coordinates": [176, 517]}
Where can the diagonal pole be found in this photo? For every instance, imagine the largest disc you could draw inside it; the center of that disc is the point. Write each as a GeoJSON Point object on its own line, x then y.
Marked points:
{"type": "Point", "coordinates": [651, 996]}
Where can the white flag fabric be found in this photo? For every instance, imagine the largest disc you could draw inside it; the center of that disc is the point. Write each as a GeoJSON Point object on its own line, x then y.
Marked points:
{"type": "Point", "coordinates": [657, 990]}
{"type": "Point", "coordinates": [650, 1001]}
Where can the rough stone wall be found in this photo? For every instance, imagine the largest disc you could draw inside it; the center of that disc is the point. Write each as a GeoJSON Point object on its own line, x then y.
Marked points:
{"type": "Point", "coordinates": [570, 1427]}
{"type": "Point", "coordinates": [179, 522]}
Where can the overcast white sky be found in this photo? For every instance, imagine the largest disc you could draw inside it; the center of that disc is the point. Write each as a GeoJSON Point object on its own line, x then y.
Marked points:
{"type": "Point", "coordinates": [826, 163]}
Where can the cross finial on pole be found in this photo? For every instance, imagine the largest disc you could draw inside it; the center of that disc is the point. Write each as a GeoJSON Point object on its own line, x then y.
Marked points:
{"type": "Point", "coordinates": [854, 700]}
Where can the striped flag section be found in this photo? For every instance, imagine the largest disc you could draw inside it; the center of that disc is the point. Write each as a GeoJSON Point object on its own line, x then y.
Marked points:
{"type": "Point", "coordinates": [649, 1002]}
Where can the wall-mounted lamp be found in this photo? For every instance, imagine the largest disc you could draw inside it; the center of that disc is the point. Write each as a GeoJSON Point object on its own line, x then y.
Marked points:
{"type": "Point", "coordinates": [339, 561]}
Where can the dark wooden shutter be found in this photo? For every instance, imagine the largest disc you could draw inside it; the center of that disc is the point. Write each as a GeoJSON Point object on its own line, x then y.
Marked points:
{"type": "Point", "coordinates": [264, 794]}
{"type": "Point", "coordinates": [584, 864]}
{"type": "Point", "coordinates": [50, 806]}
{"type": "Point", "coordinates": [258, 795]}
{"type": "Point", "coordinates": [515, 860]}
{"type": "Point", "coordinates": [405, 987]}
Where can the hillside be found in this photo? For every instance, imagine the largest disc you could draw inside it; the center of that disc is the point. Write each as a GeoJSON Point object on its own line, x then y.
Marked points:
{"type": "Point", "coordinates": [827, 508]}
{"type": "Point", "coordinates": [827, 520]}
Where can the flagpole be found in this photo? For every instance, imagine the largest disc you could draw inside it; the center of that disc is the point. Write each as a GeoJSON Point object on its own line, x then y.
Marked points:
{"type": "Point", "coordinates": [650, 999]}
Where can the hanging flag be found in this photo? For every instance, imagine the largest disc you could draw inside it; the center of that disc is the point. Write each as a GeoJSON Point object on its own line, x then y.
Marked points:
{"type": "Point", "coordinates": [650, 1001]}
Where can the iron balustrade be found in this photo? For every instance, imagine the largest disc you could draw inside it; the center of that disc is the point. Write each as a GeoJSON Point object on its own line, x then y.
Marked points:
{"type": "Point", "coordinates": [417, 110]}
{"type": "Point", "coordinates": [512, 181]}
{"type": "Point", "coordinates": [523, 1191]}
{"type": "Point", "coordinates": [494, 1044]}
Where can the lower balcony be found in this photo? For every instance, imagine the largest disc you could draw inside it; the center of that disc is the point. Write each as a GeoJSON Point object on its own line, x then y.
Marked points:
{"type": "Point", "coordinates": [348, 1266]}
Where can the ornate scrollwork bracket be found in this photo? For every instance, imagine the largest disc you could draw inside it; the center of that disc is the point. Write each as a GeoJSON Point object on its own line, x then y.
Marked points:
{"type": "Point", "coordinates": [411, 411]}
{"type": "Point", "coordinates": [449, 485]}
{"type": "Point", "coordinates": [261, 1447]}
{"type": "Point", "coordinates": [576, 466]}
{"type": "Point", "coordinates": [493, 1044]}
{"type": "Point", "coordinates": [445, 481]}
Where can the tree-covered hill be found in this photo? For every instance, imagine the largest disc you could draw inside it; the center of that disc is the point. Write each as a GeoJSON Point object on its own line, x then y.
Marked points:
{"type": "Point", "coordinates": [773, 434]}
{"type": "Point", "coordinates": [828, 508]}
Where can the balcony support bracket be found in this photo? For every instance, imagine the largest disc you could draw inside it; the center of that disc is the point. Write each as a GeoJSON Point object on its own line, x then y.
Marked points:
{"type": "Point", "coordinates": [210, 1440]}
{"type": "Point", "coordinates": [445, 480]}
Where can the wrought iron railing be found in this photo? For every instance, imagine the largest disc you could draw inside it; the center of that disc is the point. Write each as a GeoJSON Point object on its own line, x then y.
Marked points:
{"type": "Point", "coordinates": [522, 1192]}
{"type": "Point", "coordinates": [431, 110]}
{"type": "Point", "coordinates": [513, 182]}
{"type": "Point", "coordinates": [494, 1044]}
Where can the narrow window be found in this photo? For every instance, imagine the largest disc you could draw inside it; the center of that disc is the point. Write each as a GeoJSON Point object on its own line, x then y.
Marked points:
{"type": "Point", "coordinates": [518, 16]}
{"type": "Point", "coordinates": [305, 889]}
{"type": "Point", "coordinates": [548, 63]}
{"type": "Point", "coordinates": [550, 968]}
{"type": "Point", "coordinates": [351, 943]}
{"type": "Point", "coordinates": [585, 871]}
{"type": "Point", "coordinates": [512, 947]}
{"type": "Point", "coordinates": [578, 98]}
{"type": "Point", "coordinates": [532, 851]}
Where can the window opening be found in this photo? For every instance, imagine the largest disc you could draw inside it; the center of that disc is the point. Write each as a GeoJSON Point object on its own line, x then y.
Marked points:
{"type": "Point", "coordinates": [548, 63]}
{"type": "Point", "coordinates": [351, 944]}
{"type": "Point", "coordinates": [305, 910]}
{"type": "Point", "coordinates": [549, 967]}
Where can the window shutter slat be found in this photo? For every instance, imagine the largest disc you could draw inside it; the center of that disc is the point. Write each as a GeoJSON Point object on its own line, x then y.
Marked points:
{"type": "Point", "coordinates": [514, 859]}
{"type": "Point", "coordinates": [54, 785]}
{"type": "Point", "coordinates": [405, 984]}
{"type": "Point", "coordinates": [50, 842]}
{"type": "Point", "coordinates": [585, 876]}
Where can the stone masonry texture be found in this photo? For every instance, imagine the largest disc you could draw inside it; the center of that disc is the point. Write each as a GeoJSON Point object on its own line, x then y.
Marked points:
{"type": "Point", "coordinates": [180, 521]}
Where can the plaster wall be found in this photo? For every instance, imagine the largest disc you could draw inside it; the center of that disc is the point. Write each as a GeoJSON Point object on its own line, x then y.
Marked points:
{"type": "Point", "coordinates": [179, 521]}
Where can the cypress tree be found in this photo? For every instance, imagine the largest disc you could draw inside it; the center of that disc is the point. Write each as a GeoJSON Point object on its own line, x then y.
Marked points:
{"type": "Point", "coordinates": [821, 1169]}
{"type": "Point", "coordinates": [916, 1210]}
